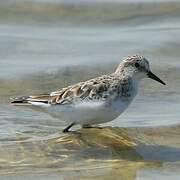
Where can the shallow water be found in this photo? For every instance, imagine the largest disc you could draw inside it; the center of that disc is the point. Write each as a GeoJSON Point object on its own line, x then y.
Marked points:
{"type": "Point", "coordinates": [46, 45]}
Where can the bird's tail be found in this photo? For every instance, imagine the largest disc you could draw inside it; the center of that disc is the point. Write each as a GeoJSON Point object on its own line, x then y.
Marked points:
{"type": "Point", "coordinates": [30, 100]}
{"type": "Point", "coordinates": [23, 100]}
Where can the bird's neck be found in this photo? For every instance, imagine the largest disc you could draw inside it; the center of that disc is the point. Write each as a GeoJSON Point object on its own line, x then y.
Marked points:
{"type": "Point", "coordinates": [133, 82]}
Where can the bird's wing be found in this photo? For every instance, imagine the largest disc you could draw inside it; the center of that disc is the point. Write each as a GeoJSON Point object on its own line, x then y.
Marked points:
{"type": "Point", "coordinates": [95, 89]}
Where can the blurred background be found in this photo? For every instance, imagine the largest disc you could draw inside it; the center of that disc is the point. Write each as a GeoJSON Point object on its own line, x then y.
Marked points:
{"type": "Point", "coordinates": [49, 44]}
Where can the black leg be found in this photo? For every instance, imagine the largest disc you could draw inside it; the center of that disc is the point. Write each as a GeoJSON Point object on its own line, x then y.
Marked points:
{"type": "Point", "coordinates": [66, 130]}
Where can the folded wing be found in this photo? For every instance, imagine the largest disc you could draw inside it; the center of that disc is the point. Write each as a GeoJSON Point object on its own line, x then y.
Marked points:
{"type": "Point", "coordinates": [95, 89]}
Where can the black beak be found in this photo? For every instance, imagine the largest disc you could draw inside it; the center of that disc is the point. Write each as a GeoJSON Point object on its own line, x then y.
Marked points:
{"type": "Point", "coordinates": [153, 76]}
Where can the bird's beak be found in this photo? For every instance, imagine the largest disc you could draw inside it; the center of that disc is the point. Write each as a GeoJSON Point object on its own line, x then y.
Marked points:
{"type": "Point", "coordinates": [153, 76]}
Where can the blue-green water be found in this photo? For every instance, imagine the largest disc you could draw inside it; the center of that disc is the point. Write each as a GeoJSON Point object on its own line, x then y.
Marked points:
{"type": "Point", "coordinates": [46, 45]}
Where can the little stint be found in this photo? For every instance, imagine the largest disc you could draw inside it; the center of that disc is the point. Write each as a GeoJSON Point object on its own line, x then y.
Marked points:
{"type": "Point", "coordinates": [97, 100]}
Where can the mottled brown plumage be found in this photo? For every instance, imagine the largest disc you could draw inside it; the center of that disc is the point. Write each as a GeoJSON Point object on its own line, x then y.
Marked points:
{"type": "Point", "coordinates": [97, 89]}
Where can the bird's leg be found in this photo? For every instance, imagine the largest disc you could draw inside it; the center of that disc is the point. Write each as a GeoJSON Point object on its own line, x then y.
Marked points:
{"type": "Point", "coordinates": [66, 130]}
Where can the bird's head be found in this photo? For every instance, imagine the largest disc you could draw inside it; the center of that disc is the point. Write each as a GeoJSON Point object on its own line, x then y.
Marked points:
{"type": "Point", "coordinates": [138, 67]}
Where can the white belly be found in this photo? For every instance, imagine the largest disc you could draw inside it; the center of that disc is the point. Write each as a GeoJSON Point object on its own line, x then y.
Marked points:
{"type": "Point", "coordinates": [88, 113]}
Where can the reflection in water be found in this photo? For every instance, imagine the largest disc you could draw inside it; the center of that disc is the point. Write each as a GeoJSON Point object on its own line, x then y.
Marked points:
{"type": "Point", "coordinates": [100, 153]}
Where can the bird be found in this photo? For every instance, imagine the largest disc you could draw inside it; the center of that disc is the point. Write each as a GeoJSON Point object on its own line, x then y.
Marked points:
{"type": "Point", "coordinates": [95, 101]}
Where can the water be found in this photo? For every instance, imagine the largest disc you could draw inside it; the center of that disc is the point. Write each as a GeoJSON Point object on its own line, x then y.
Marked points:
{"type": "Point", "coordinates": [46, 45]}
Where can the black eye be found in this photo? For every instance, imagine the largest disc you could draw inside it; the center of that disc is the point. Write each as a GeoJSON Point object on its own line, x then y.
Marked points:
{"type": "Point", "coordinates": [136, 64]}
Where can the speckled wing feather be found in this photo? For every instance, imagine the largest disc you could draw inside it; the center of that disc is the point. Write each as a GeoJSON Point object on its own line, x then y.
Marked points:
{"type": "Point", "coordinates": [100, 88]}
{"type": "Point", "coordinates": [97, 89]}
{"type": "Point", "coordinates": [94, 89]}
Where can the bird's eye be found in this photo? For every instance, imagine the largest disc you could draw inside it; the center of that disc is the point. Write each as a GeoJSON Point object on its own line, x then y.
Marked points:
{"type": "Point", "coordinates": [136, 64]}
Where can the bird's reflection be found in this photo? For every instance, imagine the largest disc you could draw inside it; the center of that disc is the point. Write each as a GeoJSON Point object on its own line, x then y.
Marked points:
{"type": "Point", "coordinates": [107, 143]}
{"type": "Point", "coordinates": [108, 151]}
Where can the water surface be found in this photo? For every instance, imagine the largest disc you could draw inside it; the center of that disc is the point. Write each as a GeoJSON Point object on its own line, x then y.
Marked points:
{"type": "Point", "coordinates": [46, 45]}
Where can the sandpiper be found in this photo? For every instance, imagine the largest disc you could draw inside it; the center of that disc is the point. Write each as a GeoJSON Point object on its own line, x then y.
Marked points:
{"type": "Point", "coordinates": [97, 100]}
